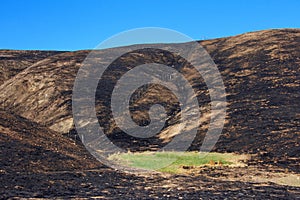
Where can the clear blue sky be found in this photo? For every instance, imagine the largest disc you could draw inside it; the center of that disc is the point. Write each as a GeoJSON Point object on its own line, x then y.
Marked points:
{"type": "Point", "coordinates": [73, 25]}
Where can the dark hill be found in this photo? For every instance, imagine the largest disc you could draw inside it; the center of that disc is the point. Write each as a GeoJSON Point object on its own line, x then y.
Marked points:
{"type": "Point", "coordinates": [29, 147]}
{"type": "Point", "coordinates": [260, 71]}
{"type": "Point", "coordinates": [14, 61]}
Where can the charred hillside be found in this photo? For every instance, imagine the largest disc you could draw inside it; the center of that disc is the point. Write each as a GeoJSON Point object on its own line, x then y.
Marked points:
{"type": "Point", "coordinates": [29, 147]}
{"type": "Point", "coordinates": [260, 71]}
{"type": "Point", "coordinates": [13, 61]}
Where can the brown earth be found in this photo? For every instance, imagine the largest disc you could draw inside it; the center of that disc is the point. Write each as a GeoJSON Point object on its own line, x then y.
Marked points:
{"type": "Point", "coordinates": [261, 74]}
{"type": "Point", "coordinates": [29, 147]}
{"type": "Point", "coordinates": [12, 62]}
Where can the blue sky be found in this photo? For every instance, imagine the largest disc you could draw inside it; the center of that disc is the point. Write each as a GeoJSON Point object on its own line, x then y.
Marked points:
{"type": "Point", "coordinates": [73, 25]}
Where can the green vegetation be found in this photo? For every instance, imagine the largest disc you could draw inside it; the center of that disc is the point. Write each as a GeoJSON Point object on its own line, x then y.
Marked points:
{"type": "Point", "coordinates": [176, 162]}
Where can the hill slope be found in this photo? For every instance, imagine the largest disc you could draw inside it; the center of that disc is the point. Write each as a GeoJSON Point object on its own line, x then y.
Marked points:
{"type": "Point", "coordinates": [260, 71]}
{"type": "Point", "coordinates": [14, 61]}
{"type": "Point", "coordinates": [29, 147]}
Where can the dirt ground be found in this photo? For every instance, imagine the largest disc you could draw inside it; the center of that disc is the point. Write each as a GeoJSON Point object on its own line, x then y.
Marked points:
{"type": "Point", "coordinates": [218, 183]}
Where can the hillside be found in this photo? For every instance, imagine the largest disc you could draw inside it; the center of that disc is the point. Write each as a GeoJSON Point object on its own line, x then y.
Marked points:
{"type": "Point", "coordinates": [12, 61]}
{"type": "Point", "coordinates": [29, 147]}
{"type": "Point", "coordinates": [261, 74]}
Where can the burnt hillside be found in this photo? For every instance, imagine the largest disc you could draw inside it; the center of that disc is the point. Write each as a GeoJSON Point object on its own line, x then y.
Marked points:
{"type": "Point", "coordinates": [260, 71]}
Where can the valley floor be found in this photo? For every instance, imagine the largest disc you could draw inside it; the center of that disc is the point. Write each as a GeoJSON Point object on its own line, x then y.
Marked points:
{"type": "Point", "coordinates": [219, 183]}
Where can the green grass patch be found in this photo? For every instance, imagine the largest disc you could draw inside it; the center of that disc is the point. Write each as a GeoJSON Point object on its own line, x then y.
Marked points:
{"type": "Point", "coordinates": [175, 162]}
